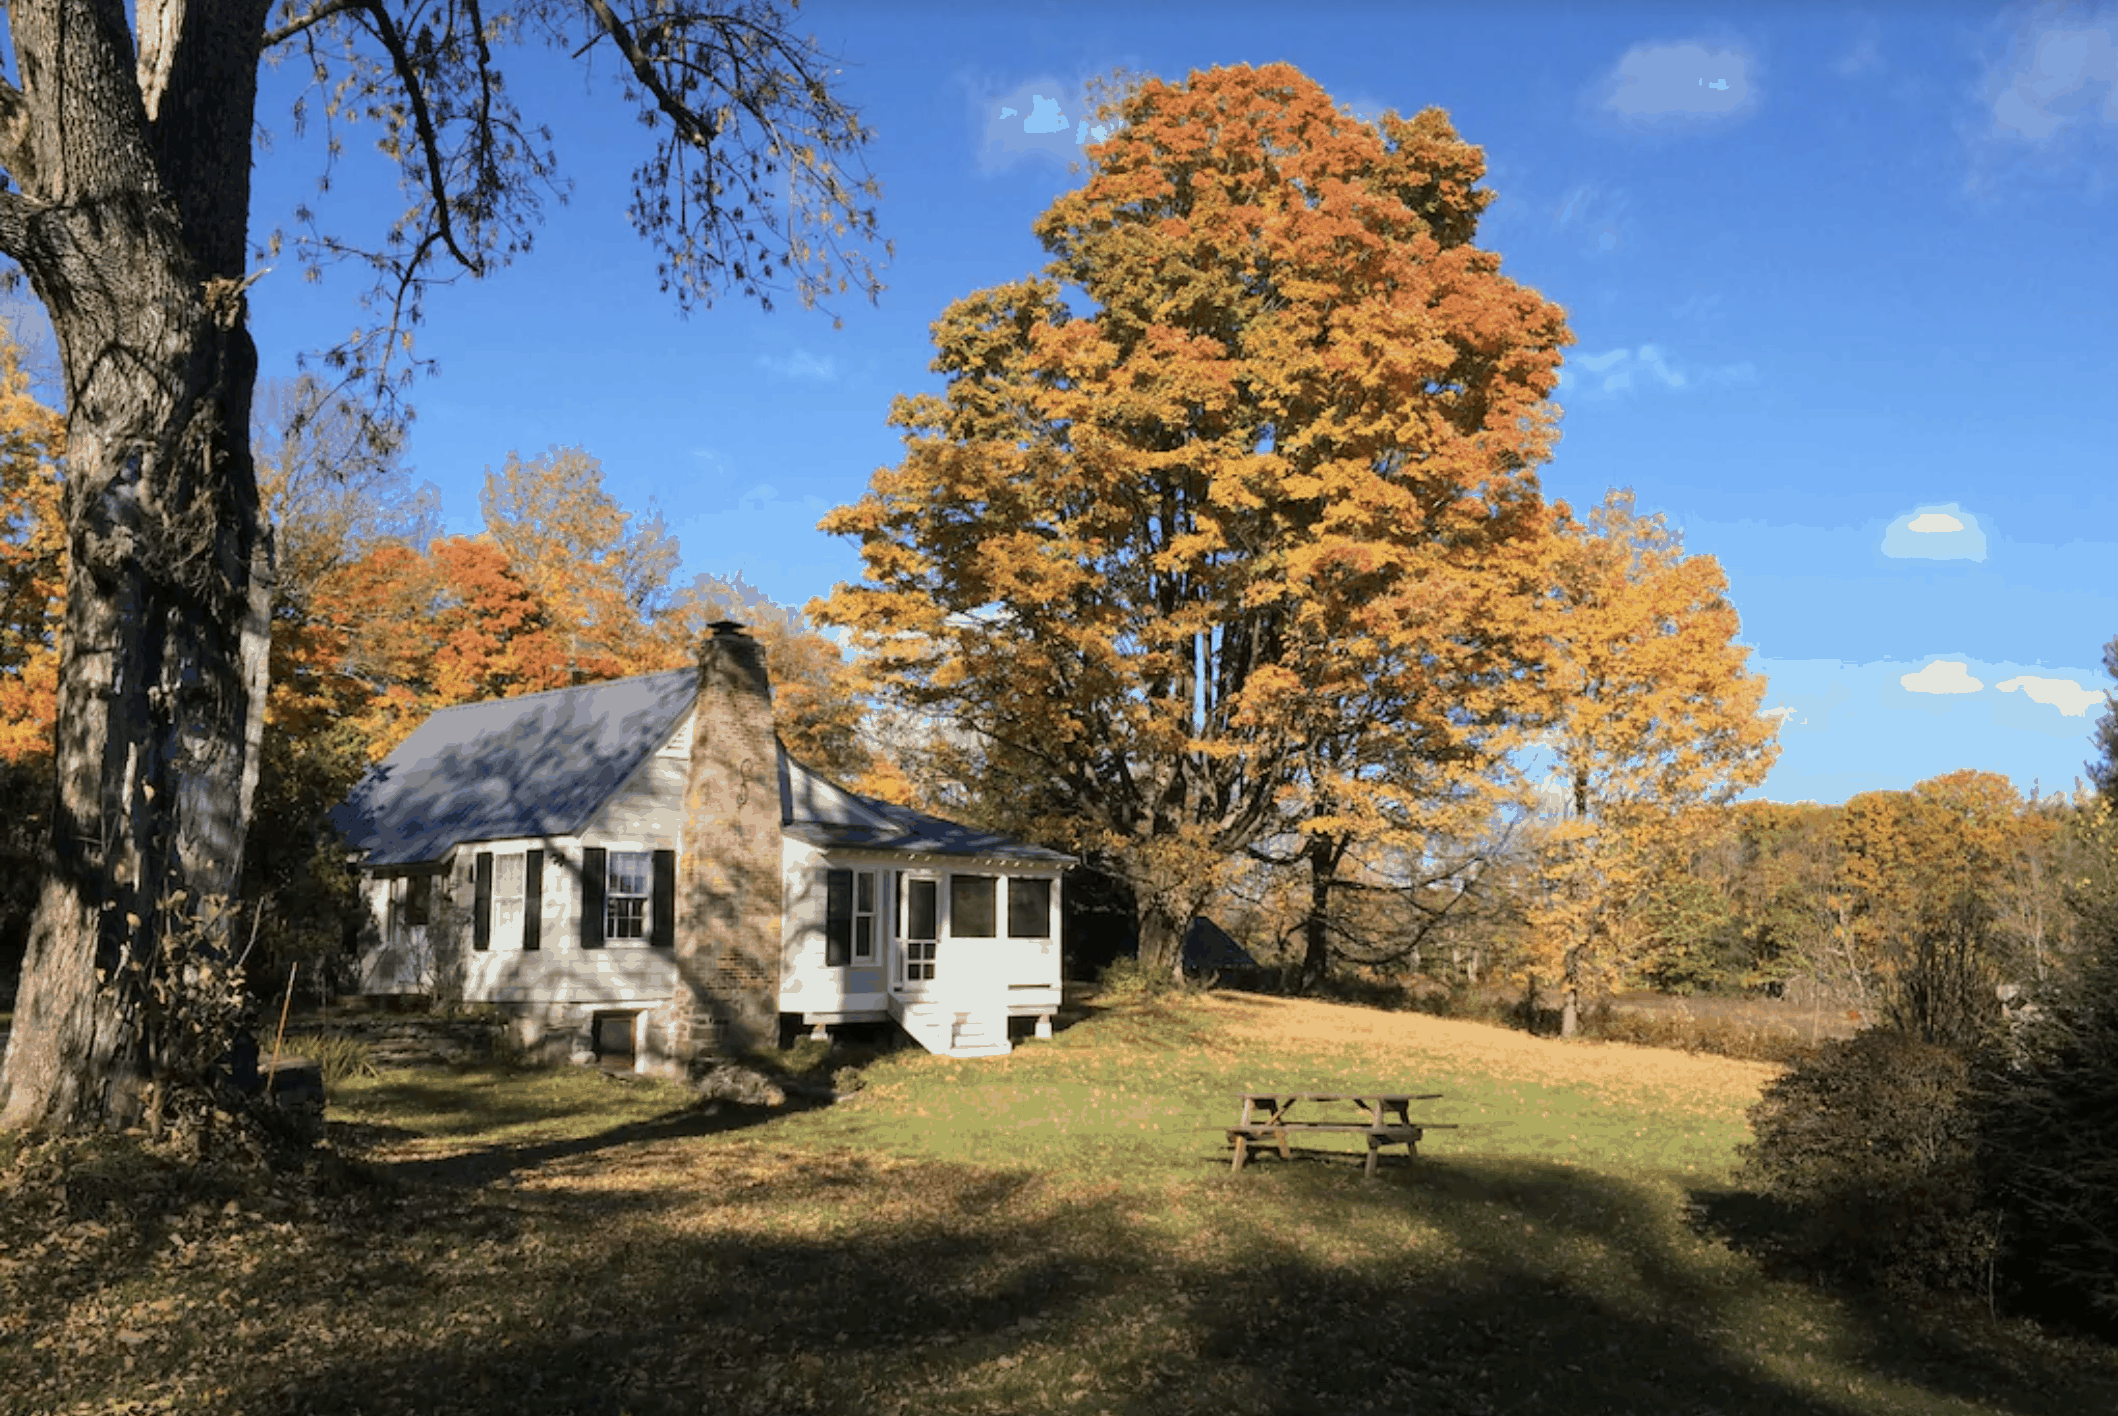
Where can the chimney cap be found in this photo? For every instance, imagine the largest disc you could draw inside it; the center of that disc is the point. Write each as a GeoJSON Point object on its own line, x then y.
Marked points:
{"type": "Point", "coordinates": [723, 629]}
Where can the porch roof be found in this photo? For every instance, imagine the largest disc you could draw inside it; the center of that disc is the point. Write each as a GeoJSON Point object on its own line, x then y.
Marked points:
{"type": "Point", "coordinates": [822, 813]}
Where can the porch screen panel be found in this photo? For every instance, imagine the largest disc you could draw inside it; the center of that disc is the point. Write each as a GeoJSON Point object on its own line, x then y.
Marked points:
{"type": "Point", "coordinates": [838, 918]}
{"type": "Point", "coordinates": [593, 864]}
{"type": "Point", "coordinates": [533, 901]}
{"type": "Point", "coordinates": [919, 907]}
{"type": "Point", "coordinates": [1029, 908]}
{"type": "Point", "coordinates": [974, 906]}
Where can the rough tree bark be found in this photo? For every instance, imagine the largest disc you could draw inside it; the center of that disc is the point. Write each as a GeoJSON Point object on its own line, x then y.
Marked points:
{"type": "Point", "coordinates": [133, 175]}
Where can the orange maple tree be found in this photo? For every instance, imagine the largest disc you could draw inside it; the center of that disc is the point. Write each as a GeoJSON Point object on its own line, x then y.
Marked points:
{"type": "Point", "coordinates": [601, 573]}
{"type": "Point", "coordinates": [32, 562]}
{"type": "Point", "coordinates": [1152, 551]}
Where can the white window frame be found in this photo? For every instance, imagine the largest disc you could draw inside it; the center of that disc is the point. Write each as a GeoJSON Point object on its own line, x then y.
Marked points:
{"type": "Point", "coordinates": [509, 897]}
{"type": "Point", "coordinates": [871, 916]}
{"type": "Point", "coordinates": [641, 900]}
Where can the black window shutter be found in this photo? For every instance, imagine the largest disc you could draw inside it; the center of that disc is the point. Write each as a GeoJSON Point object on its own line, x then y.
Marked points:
{"type": "Point", "coordinates": [838, 918]}
{"type": "Point", "coordinates": [593, 881]}
{"type": "Point", "coordinates": [482, 906]}
{"type": "Point", "coordinates": [533, 900]}
{"type": "Point", "coordinates": [662, 904]}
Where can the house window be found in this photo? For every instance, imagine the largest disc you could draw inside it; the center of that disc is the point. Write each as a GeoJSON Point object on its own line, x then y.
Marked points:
{"type": "Point", "coordinates": [417, 891]}
{"type": "Point", "coordinates": [625, 896]}
{"type": "Point", "coordinates": [863, 916]}
{"type": "Point", "coordinates": [973, 906]}
{"type": "Point", "coordinates": [1029, 908]}
{"type": "Point", "coordinates": [510, 883]}
{"type": "Point", "coordinates": [919, 960]}
{"type": "Point", "coordinates": [849, 917]}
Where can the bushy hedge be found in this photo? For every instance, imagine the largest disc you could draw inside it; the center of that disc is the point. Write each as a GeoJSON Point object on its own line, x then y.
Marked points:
{"type": "Point", "coordinates": [1871, 1144]}
{"type": "Point", "coordinates": [2048, 1117]}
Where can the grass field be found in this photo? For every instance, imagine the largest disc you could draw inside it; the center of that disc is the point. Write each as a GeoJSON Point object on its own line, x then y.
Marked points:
{"type": "Point", "coordinates": [1056, 1231]}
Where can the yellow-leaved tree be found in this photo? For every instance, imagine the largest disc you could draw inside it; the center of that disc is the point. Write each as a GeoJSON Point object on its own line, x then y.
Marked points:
{"type": "Point", "coordinates": [32, 562]}
{"type": "Point", "coordinates": [601, 572]}
{"type": "Point", "coordinates": [1166, 556]}
{"type": "Point", "coordinates": [32, 607]}
{"type": "Point", "coordinates": [1654, 711]}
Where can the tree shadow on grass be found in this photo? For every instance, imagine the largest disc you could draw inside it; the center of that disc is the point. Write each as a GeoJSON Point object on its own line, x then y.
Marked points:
{"type": "Point", "coordinates": [716, 1279]}
{"type": "Point", "coordinates": [1954, 1344]}
{"type": "Point", "coordinates": [838, 1283]}
{"type": "Point", "coordinates": [488, 1165]}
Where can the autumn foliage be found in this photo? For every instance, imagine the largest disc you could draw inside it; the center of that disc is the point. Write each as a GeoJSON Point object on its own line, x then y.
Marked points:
{"type": "Point", "coordinates": [32, 563]}
{"type": "Point", "coordinates": [1150, 551]}
{"type": "Point", "coordinates": [1653, 712]}
{"type": "Point", "coordinates": [379, 625]}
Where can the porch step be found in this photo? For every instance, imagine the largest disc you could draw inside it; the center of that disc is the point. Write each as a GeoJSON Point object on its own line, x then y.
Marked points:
{"type": "Point", "coordinates": [934, 1027]}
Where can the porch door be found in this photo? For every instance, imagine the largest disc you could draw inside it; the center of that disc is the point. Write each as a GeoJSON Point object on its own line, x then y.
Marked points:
{"type": "Point", "coordinates": [918, 932]}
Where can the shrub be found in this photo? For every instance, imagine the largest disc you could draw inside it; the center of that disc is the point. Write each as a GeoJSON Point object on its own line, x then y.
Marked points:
{"type": "Point", "coordinates": [1870, 1145]}
{"type": "Point", "coordinates": [1126, 977]}
{"type": "Point", "coordinates": [1944, 989]}
{"type": "Point", "coordinates": [1724, 1037]}
{"type": "Point", "coordinates": [2050, 1150]}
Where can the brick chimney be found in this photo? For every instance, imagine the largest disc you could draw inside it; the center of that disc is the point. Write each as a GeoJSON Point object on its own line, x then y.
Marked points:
{"type": "Point", "coordinates": [728, 862]}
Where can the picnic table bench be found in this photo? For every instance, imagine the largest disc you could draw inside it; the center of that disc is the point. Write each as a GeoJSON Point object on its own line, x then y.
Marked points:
{"type": "Point", "coordinates": [1265, 1119]}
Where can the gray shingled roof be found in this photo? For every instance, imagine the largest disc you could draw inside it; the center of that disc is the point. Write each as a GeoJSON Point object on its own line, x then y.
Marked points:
{"type": "Point", "coordinates": [539, 765]}
{"type": "Point", "coordinates": [543, 764]}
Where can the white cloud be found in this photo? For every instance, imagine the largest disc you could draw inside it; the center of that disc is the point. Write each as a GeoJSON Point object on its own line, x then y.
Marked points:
{"type": "Point", "coordinates": [2048, 99]}
{"type": "Point", "coordinates": [1679, 81]}
{"type": "Point", "coordinates": [2068, 696]}
{"type": "Point", "coordinates": [2051, 78]}
{"type": "Point", "coordinates": [801, 364]}
{"type": "Point", "coordinates": [1944, 532]}
{"type": "Point", "coordinates": [1044, 116]}
{"type": "Point", "coordinates": [1617, 371]}
{"type": "Point", "coordinates": [1942, 676]}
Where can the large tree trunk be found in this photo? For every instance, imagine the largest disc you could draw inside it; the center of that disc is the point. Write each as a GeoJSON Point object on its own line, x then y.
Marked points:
{"type": "Point", "coordinates": [1570, 995]}
{"type": "Point", "coordinates": [1323, 854]}
{"type": "Point", "coordinates": [130, 223]}
{"type": "Point", "coordinates": [1161, 932]}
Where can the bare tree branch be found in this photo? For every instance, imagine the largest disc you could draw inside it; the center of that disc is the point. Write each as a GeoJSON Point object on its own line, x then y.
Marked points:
{"type": "Point", "coordinates": [423, 124]}
{"type": "Point", "coordinates": [700, 130]}
{"type": "Point", "coordinates": [323, 11]}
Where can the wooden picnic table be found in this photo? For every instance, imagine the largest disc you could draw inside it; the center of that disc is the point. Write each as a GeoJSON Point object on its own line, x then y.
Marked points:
{"type": "Point", "coordinates": [1265, 1118]}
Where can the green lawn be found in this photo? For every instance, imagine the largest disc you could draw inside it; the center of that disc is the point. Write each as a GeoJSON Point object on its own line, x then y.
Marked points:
{"type": "Point", "coordinates": [1054, 1231]}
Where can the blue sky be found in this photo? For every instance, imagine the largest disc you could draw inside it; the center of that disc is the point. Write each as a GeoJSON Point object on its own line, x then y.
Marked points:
{"type": "Point", "coordinates": [1844, 285]}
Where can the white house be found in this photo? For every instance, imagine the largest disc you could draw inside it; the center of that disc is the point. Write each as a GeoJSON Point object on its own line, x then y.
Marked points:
{"type": "Point", "coordinates": [604, 863]}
